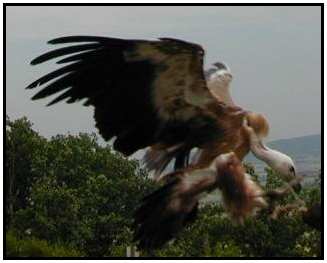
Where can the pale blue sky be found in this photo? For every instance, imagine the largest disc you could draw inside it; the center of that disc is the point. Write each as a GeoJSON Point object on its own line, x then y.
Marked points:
{"type": "Point", "coordinates": [273, 52]}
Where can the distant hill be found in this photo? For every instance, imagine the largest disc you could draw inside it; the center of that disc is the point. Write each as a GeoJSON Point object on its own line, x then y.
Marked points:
{"type": "Point", "coordinates": [299, 146]}
{"type": "Point", "coordinates": [305, 151]}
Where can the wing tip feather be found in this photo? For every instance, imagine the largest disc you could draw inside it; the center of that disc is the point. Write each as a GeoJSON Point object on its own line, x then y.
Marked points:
{"type": "Point", "coordinates": [58, 40]}
{"type": "Point", "coordinates": [34, 62]}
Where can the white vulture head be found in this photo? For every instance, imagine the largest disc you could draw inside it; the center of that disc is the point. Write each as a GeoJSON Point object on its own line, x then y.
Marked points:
{"type": "Point", "coordinates": [278, 161]}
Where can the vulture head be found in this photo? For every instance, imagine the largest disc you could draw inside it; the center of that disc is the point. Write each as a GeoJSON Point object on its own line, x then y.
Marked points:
{"type": "Point", "coordinates": [257, 128]}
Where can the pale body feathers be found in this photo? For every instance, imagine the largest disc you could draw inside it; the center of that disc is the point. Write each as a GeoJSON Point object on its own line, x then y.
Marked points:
{"type": "Point", "coordinates": [218, 81]}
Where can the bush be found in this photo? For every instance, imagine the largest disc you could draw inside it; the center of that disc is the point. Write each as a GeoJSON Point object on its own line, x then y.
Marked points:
{"type": "Point", "coordinates": [33, 247]}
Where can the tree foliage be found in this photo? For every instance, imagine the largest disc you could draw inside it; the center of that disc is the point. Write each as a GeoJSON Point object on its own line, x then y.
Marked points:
{"type": "Point", "coordinates": [71, 196]}
{"type": "Point", "coordinates": [71, 190]}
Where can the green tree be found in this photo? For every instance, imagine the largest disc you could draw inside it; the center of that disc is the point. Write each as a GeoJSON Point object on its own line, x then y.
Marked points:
{"type": "Point", "coordinates": [79, 192]}
{"type": "Point", "coordinates": [69, 193]}
{"type": "Point", "coordinates": [23, 146]}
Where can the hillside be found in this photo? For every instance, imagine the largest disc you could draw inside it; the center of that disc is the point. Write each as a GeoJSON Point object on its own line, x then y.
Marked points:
{"type": "Point", "coordinates": [299, 146]}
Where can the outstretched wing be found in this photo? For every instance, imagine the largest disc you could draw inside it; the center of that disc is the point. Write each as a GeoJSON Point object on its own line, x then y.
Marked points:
{"type": "Point", "coordinates": [140, 89]}
{"type": "Point", "coordinates": [218, 81]}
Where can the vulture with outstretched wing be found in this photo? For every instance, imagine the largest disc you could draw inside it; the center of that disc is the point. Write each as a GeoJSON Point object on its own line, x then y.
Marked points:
{"type": "Point", "coordinates": [144, 93]}
{"type": "Point", "coordinates": [152, 94]}
{"type": "Point", "coordinates": [156, 95]}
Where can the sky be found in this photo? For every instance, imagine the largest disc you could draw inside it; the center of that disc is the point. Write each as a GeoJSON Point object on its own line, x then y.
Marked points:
{"type": "Point", "coordinates": [274, 54]}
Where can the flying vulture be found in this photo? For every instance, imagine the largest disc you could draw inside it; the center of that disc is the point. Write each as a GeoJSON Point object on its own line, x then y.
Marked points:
{"type": "Point", "coordinates": [156, 95]}
{"type": "Point", "coordinates": [144, 93]}
{"type": "Point", "coordinates": [153, 94]}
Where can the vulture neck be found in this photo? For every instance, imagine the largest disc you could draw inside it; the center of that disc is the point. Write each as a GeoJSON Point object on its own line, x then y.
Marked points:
{"type": "Point", "coordinates": [261, 151]}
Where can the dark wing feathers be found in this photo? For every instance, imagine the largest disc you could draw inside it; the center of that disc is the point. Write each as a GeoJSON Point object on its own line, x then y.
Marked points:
{"type": "Point", "coordinates": [54, 74]}
{"type": "Point", "coordinates": [54, 87]}
{"type": "Point", "coordinates": [75, 39]}
{"type": "Point", "coordinates": [89, 55]}
{"type": "Point", "coordinates": [134, 85]}
{"type": "Point", "coordinates": [155, 223]}
{"type": "Point", "coordinates": [63, 96]}
{"type": "Point", "coordinates": [66, 81]}
{"type": "Point", "coordinates": [166, 211]}
{"type": "Point", "coordinates": [63, 51]}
